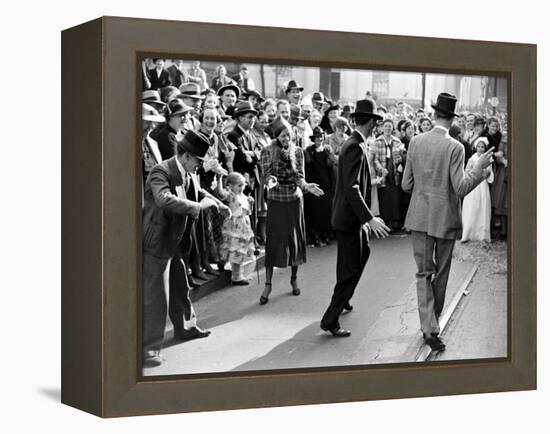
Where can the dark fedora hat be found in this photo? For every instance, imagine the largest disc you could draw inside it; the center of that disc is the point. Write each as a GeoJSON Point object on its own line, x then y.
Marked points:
{"type": "Point", "coordinates": [244, 107]}
{"type": "Point", "coordinates": [195, 143]}
{"type": "Point", "coordinates": [292, 84]}
{"type": "Point", "coordinates": [446, 104]}
{"type": "Point", "coordinates": [233, 87]}
{"type": "Point", "coordinates": [177, 107]}
{"type": "Point", "coordinates": [318, 97]}
{"type": "Point", "coordinates": [255, 93]}
{"type": "Point", "coordinates": [191, 90]}
{"type": "Point", "coordinates": [366, 107]}
{"type": "Point", "coordinates": [317, 132]}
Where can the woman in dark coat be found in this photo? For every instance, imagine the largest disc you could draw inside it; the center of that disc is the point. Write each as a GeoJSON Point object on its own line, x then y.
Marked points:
{"type": "Point", "coordinates": [282, 165]}
{"type": "Point", "coordinates": [318, 164]}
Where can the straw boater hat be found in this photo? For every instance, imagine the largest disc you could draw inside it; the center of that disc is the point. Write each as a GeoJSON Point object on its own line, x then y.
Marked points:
{"type": "Point", "coordinates": [149, 113]}
{"type": "Point", "coordinates": [292, 84]}
{"type": "Point", "coordinates": [177, 107]}
{"type": "Point", "coordinates": [244, 107]}
{"type": "Point", "coordinates": [194, 142]}
{"type": "Point", "coordinates": [191, 90]}
{"type": "Point", "coordinates": [233, 87]}
{"type": "Point", "coordinates": [445, 104]}
{"type": "Point", "coordinates": [152, 97]}
{"type": "Point", "coordinates": [366, 107]}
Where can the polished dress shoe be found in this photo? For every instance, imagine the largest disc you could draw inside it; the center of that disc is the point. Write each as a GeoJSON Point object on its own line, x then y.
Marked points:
{"type": "Point", "coordinates": [337, 332]}
{"type": "Point", "coordinates": [152, 359]}
{"type": "Point", "coordinates": [182, 335]}
{"type": "Point", "coordinates": [435, 343]}
{"type": "Point", "coordinates": [199, 274]}
{"type": "Point", "coordinates": [348, 307]}
{"type": "Point", "coordinates": [241, 282]}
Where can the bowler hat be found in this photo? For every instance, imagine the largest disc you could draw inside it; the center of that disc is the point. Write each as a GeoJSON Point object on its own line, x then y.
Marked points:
{"type": "Point", "coordinates": [177, 107]}
{"type": "Point", "coordinates": [234, 87]}
{"type": "Point", "coordinates": [244, 107]}
{"type": "Point", "coordinates": [446, 104]}
{"type": "Point", "coordinates": [194, 142]}
{"type": "Point", "coordinates": [317, 132]}
{"type": "Point", "coordinates": [366, 107]}
{"type": "Point", "coordinates": [191, 90]}
{"type": "Point", "coordinates": [149, 113]}
{"type": "Point", "coordinates": [292, 84]}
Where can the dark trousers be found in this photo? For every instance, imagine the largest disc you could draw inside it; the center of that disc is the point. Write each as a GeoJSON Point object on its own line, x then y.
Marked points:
{"type": "Point", "coordinates": [353, 253]}
{"type": "Point", "coordinates": [433, 262]}
{"type": "Point", "coordinates": [163, 278]}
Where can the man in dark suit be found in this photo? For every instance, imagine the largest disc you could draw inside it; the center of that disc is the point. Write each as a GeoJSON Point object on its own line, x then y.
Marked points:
{"type": "Point", "coordinates": [178, 74]}
{"type": "Point", "coordinates": [170, 208]}
{"type": "Point", "coordinates": [434, 173]}
{"type": "Point", "coordinates": [158, 77]}
{"type": "Point", "coordinates": [351, 217]}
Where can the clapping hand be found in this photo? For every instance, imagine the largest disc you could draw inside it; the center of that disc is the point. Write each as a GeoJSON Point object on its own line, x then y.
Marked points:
{"type": "Point", "coordinates": [378, 226]}
{"type": "Point", "coordinates": [208, 202]}
{"type": "Point", "coordinates": [314, 189]}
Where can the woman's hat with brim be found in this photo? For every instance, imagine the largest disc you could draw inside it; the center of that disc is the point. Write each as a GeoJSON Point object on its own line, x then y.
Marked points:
{"type": "Point", "coordinates": [149, 113]}
{"type": "Point", "coordinates": [191, 90]}
{"type": "Point", "coordinates": [177, 107]}
{"type": "Point", "coordinates": [255, 93]}
{"type": "Point", "coordinates": [292, 84]}
{"type": "Point", "coordinates": [233, 87]}
{"type": "Point", "coordinates": [244, 107]}
{"type": "Point", "coordinates": [333, 107]}
{"type": "Point", "coordinates": [317, 132]}
{"type": "Point", "coordinates": [445, 104]}
{"type": "Point", "coordinates": [482, 139]}
{"type": "Point", "coordinates": [366, 107]}
{"type": "Point", "coordinates": [195, 143]}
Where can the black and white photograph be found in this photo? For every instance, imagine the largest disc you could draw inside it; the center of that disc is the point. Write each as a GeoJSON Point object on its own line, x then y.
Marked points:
{"type": "Point", "coordinates": [315, 217]}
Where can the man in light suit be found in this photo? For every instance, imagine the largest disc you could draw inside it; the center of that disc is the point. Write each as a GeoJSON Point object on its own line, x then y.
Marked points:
{"type": "Point", "coordinates": [351, 217]}
{"type": "Point", "coordinates": [434, 173]}
{"type": "Point", "coordinates": [170, 208]}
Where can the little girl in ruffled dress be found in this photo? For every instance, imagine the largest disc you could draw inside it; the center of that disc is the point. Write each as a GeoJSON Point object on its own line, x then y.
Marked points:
{"type": "Point", "coordinates": [238, 238]}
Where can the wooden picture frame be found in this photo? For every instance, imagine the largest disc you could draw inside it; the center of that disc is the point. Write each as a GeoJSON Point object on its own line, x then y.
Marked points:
{"type": "Point", "coordinates": [101, 224]}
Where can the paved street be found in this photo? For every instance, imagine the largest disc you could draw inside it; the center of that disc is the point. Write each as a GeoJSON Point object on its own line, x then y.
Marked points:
{"type": "Point", "coordinates": [285, 333]}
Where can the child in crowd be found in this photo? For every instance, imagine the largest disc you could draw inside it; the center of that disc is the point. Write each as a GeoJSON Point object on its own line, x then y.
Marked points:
{"type": "Point", "coordinates": [238, 237]}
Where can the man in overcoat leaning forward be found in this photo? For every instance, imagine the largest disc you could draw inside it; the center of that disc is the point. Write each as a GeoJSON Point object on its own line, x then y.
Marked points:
{"type": "Point", "coordinates": [434, 173]}
{"type": "Point", "coordinates": [171, 206]}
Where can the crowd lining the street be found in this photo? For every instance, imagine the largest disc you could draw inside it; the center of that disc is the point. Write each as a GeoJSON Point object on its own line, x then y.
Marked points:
{"type": "Point", "coordinates": [267, 169]}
